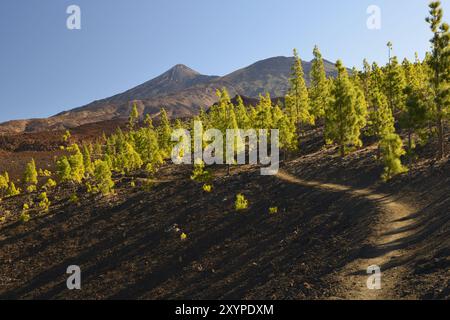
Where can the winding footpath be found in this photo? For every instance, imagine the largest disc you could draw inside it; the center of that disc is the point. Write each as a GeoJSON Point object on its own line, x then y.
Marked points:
{"type": "Point", "coordinates": [385, 239]}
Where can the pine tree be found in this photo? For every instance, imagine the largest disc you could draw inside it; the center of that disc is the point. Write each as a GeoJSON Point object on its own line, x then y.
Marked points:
{"type": "Point", "coordinates": [440, 64]}
{"type": "Point", "coordinates": [360, 109]}
{"type": "Point", "coordinates": [63, 170]}
{"type": "Point", "coordinates": [377, 77]}
{"type": "Point", "coordinates": [392, 150]}
{"type": "Point", "coordinates": [345, 115]}
{"type": "Point", "coordinates": [288, 133]}
{"type": "Point", "coordinates": [204, 118]}
{"type": "Point", "coordinates": [97, 150]}
{"type": "Point", "coordinates": [148, 121]}
{"type": "Point", "coordinates": [218, 113]}
{"type": "Point", "coordinates": [25, 216]}
{"type": "Point", "coordinates": [134, 116]}
{"type": "Point", "coordinates": [222, 116]}
{"type": "Point", "coordinates": [109, 160]}
{"type": "Point", "coordinates": [264, 113]}
{"type": "Point", "coordinates": [66, 137]}
{"type": "Point", "coordinates": [164, 134]}
{"type": "Point", "coordinates": [87, 161]}
{"type": "Point", "coordinates": [417, 104]}
{"type": "Point", "coordinates": [366, 79]}
{"type": "Point", "coordinates": [297, 100]}
{"type": "Point", "coordinates": [381, 120]}
{"type": "Point", "coordinates": [76, 162]}
{"type": "Point", "coordinates": [4, 184]}
{"type": "Point", "coordinates": [127, 160]}
{"type": "Point", "coordinates": [242, 116]}
{"type": "Point", "coordinates": [12, 190]}
{"type": "Point", "coordinates": [146, 144]}
{"type": "Point", "coordinates": [395, 85]}
{"type": "Point", "coordinates": [276, 116]}
{"type": "Point", "coordinates": [4, 180]}
{"type": "Point", "coordinates": [44, 203]}
{"type": "Point", "coordinates": [31, 175]}
{"type": "Point", "coordinates": [103, 177]}
{"type": "Point", "coordinates": [414, 116]}
{"type": "Point", "coordinates": [319, 91]}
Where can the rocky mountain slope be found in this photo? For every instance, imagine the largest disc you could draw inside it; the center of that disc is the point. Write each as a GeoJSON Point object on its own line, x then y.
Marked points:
{"type": "Point", "coordinates": [317, 246]}
{"type": "Point", "coordinates": [181, 90]}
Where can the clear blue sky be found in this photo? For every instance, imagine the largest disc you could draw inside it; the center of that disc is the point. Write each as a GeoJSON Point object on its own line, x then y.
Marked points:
{"type": "Point", "coordinates": [46, 68]}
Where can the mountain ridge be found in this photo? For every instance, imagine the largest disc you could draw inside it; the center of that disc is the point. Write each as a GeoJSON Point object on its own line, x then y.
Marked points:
{"type": "Point", "coordinates": [181, 90]}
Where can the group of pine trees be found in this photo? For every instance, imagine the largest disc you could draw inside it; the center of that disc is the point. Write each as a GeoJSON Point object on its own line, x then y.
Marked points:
{"type": "Point", "coordinates": [94, 164]}
{"type": "Point", "coordinates": [7, 187]}
{"type": "Point", "coordinates": [377, 101]}
{"type": "Point", "coordinates": [121, 153]}
{"type": "Point", "coordinates": [413, 97]}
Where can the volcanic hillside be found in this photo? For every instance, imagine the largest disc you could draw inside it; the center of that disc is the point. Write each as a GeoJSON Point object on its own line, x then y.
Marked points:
{"type": "Point", "coordinates": [181, 91]}
{"type": "Point", "coordinates": [334, 219]}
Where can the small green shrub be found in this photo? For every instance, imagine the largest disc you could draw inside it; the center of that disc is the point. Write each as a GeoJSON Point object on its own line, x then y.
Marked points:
{"type": "Point", "coordinates": [44, 203]}
{"type": "Point", "coordinates": [25, 216]}
{"type": "Point", "coordinates": [30, 175]}
{"type": "Point", "coordinates": [74, 199]}
{"type": "Point", "coordinates": [49, 184]}
{"type": "Point", "coordinates": [273, 210]}
{"type": "Point", "coordinates": [12, 190]}
{"type": "Point", "coordinates": [199, 173]}
{"type": "Point", "coordinates": [392, 150]}
{"type": "Point", "coordinates": [241, 203]}
{"type": "Point", "coordinates": [207, 188]}
{"type": "Point", "coordinates": [44, 173]}
{"type": "Point", "coordinates": [103, 177]}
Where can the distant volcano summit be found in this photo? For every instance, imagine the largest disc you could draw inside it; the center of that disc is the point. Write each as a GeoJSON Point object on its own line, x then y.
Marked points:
{"type": "Point", "coordinates": [181, 90]}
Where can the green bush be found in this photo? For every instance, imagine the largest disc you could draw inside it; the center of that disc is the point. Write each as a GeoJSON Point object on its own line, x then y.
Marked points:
{"type": "Point", "coordinates": [44, 203]}
{"type": "Point", "coordinates": [392, 149]}
{"type": "Point", "coordinates": [273, 210]}
{"type": "Point", "coordinates": [241, 203]}
{"type": "Point", "coordinates": [199, 173]}
{"type": "Point", "coordinates": [207, 187]}
{"type": "Point", "coordinates": [103, 177]}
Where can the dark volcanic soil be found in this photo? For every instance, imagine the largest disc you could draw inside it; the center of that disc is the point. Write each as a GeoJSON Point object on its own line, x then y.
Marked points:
{"type": "Point", "coordinates": [126, 248]}
{"type": "Point", "coordinates": [128, 245]}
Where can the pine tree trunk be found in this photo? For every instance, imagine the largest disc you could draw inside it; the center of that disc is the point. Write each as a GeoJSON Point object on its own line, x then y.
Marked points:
{"type": "Point", "coordinates": [440, 127]}
{"type": "Point", "coordinates": [410, 152]}
{"type": "Point", "coordinates": [342, 150]}
{"type": "Point", "coordinates": [379, 150]}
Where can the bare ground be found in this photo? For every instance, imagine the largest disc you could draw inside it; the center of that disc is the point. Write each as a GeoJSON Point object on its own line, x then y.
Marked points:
{"type": "Point", "coordinates": [335, 219]}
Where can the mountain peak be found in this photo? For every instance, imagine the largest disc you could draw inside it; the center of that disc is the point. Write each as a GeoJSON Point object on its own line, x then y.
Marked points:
{"type": "Point", "coordinates": [180, 72]}
{"type": "Point", "coordinates": [181, 66]}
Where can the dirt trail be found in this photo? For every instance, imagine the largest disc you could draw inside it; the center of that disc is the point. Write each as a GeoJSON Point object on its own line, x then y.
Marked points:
{"type": "Point", "coordinates": [383, 242]}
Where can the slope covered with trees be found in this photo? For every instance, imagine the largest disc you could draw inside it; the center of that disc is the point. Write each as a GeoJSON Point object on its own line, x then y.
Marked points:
{"type": "Point", "coordinates": [385, 120]}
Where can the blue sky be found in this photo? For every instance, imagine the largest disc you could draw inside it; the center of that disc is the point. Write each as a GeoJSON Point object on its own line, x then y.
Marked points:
{"type": "Point", "coordinates": [46, 68]}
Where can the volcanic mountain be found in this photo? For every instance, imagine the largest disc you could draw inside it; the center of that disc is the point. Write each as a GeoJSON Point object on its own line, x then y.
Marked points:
{"type": "Point", "coordinates": [180, 90]}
